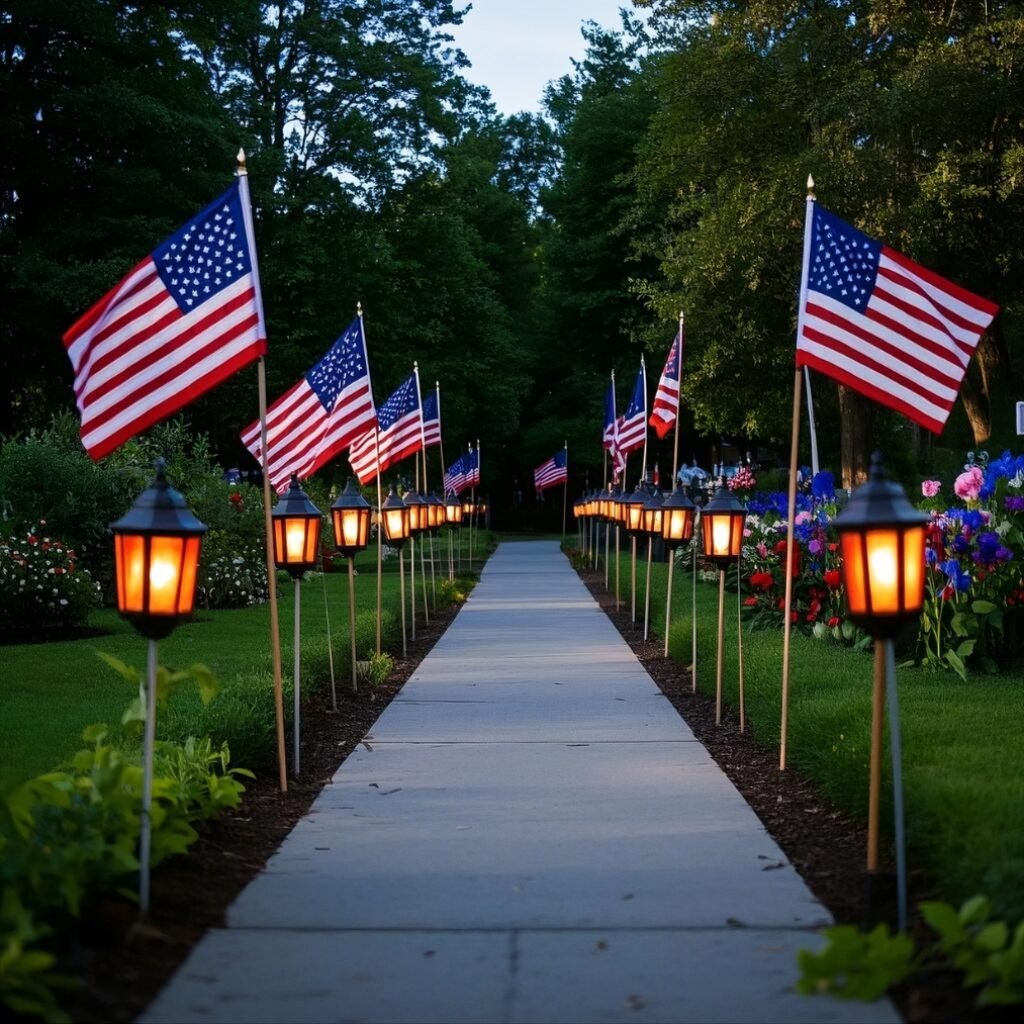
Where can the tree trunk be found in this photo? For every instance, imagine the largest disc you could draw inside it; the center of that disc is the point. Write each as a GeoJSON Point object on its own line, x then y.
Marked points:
{"type": "Point", "coordinates": [856, 415]}
{"type": "Point", "coordinates": [991, 362]}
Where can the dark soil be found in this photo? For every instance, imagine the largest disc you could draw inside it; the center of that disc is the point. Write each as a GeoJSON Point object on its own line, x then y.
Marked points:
{"type": "Point", "coordinates": [826, 847]}
{"type": "Point", "coordinates": [122, 965]}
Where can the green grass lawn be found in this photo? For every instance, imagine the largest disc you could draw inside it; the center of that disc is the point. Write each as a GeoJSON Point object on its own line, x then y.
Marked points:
{"type": "Point", "coordinates": [963, 745]}
{"type": "Point", "coordinates": [50, 692]}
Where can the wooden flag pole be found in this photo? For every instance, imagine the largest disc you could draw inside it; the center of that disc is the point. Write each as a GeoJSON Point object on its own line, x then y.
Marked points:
{"type": "Point", "coordinates": [679, 377]}
{"type": "Point", "coordinates": [794, 453]}
{"type": "Point", "coordinates": [643, 373]}
{"type": "Point", "coordinates": [261, 383]}
{"type": "Point", "coordinates": [739, 644]}
{"type": "Point", "coordinates": [810, 419]}
{"type": "Point", "coordinates": [565, 491]}
{"type": "Point", "coordinates": [380, 495]}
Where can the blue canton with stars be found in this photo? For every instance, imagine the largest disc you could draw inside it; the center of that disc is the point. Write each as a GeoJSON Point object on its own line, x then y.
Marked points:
{"type": "Point", "coordinates": [402, 402]}
{"type": "Point", "coordinates": [843, 261]}
{"type": "Point", "coordinates": [430, 408]}
{"type": "Point", "coordinates": [344, 364]}
{"type": "Point", "coordinates": [207, 255]}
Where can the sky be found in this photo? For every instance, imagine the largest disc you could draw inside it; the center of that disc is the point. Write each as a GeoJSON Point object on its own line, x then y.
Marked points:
{"type": "Point", "coordinates": [518, 46]}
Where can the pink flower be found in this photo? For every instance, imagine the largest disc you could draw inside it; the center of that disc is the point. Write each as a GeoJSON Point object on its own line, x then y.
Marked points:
{"type": "Point", "coordinates": [929, 488]}
{"type": "Point", "coordinates": [968, 484]}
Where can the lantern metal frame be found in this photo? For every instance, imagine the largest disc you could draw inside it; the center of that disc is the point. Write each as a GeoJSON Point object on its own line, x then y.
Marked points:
{"type": "Point", "coordinates": [394, 519]}
{"type": "Point", "coordinates": [294, 511]}
{"type": "Point", "coordinates": [879, 521]}
{"type": "Point", "coordinates": [351, 509]}
{"type": "Point", "coordinates": [159, 526]}
{"type": "Point", "coordinates": [678, 519]}
{"type": "Point", "coordinates": [723, 506]}
{"type": "Point", "coordinates": [453, 514]}
{"type": "Point", "coordinates": [158, 536]}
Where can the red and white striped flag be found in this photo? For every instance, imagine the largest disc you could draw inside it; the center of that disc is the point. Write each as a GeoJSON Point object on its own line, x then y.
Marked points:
{"type": "Point", "coordinates": [666, 399]}
{"type": "Point", "coordinates": [400, 434]}
{"type": "Point", "coordinates": [184, 320]}
{"type": "Point", "coordinates": [631, 430]}
{"type": "Point", "coordinates": [432, 420]}
{"type": "Point", "coordinates": [553, 472]}
{"type": "Point", "coordinates": [884, 325]}
{"type": "Point", "coordinates": [320, 416]}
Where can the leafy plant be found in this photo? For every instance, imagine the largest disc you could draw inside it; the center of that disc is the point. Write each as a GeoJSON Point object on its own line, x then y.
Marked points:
{"type": "Point", "coordinates": [27, 978]}
{"type": "Point", "coordinates": [381, 666]}
{"type": "Point", "coordinates": [863, 965]}
{"type": "Point", "coordinates": [854, 964]}
{"type": "Point", "coordinates": [987, 951]}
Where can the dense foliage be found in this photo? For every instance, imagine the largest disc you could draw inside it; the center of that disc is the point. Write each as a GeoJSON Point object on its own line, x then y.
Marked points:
{"type": "Point", "coordinates": [520, 258]}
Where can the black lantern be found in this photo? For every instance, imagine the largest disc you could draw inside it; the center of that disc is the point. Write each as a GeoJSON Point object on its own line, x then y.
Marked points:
{"type": "Point", "coordinates": [296, 521]}
{"type": "Point", "coordinates": [677, 519]}
{"type": "Point", "coordinates": [156, 557]}
{"type": "Point", "coordinates": [453, 511]}
{"type": "Point", "coordinates": [395, 520]}
{"type": "Point", "coordinates": [435, 512]}
{"type": "Point", "coordinates": [882, 541]}
{"type": "Point", "coordinates": [419, 512]}
{"type": "Point", "coordinates": [653, 513]}
{"type": "Point", "coordinates": [350, 515]}
{"type": "Point", "coordinates": [722, 519]}
{"type": "Point", "coordinates": [634, 511]}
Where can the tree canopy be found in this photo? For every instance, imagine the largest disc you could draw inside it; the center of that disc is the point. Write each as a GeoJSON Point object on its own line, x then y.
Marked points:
{"type": "Point", "coordinates": [520, 259]}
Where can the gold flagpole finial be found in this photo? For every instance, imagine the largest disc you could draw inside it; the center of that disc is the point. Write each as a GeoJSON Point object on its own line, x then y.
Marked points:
{"type": "Point", "coordinates": [241, 161]}
{"type": "Point", "coordinates": [416, 366]}
{"type": "Point", "coordinates": [359, 309]}
{"type": "Point", "coordinates": [810, 187]}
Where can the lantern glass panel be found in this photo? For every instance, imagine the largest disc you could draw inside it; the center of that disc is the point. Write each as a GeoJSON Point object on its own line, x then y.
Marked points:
{"type": "Point", "coordinates": [854, 575]}
{"type": "Point", "coordinates": [677, 524]}
{"type": "Point", "coordinates": [883, 547]}
{"type": "Point", "coordinates": [295, 540]}
{"type": "Point", "coordinates": [634, 516]}
{"type": "Point", "coordinates": [130, 551]}
{"type": "Point", "coordinates": [396, 523]}
{"type": "Point", "coordinates": [913, 569]}
{"type": "Point", "coordinates": [165, 566]}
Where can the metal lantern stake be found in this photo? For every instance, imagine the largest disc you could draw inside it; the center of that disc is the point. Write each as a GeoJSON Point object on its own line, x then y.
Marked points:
{"type": "Point", "coordinates": [676, 528]}
{"type": "Point", "coordinates": [350, 517]}
{"type": "Point", "coordinates": [652, 527]}
{"type": "Point", "coordinates": [453, 518]}
{"type": "Point", "coordinates": [722, 520]}
{"type": "Point", "coordinates": [296, 530]}
{"type": "Point", "coordinates": [435, 516]}
{"type": "Point", "coordinates": [156, 559]}
{"type": "Point", "coordinates": [395, 520]}
{"type": "Point", "coordinates": [418, 511]}
{"type": "Point", "coordinates": [881, 537]}
{"type": "Point", "coordinates": [634, 523]}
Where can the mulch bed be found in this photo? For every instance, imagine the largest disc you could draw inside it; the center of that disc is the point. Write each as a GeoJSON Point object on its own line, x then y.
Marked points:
{"type": "Point", "coordinates": [122, 966]}
{"type": "Point", "coordinates": [826, 847]}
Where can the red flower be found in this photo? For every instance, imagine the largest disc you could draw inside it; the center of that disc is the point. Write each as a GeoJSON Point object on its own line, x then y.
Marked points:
{"type": "Point", "coordinates": [794, 617]}
{"type": "Point", "coordinates": [812, 616]}
{"type": "Point", "coordinates": [834, 621]}
{"type": "Point", "coordinates": [762, 580]}
{"type": "Point", "coordinates": [750, 602]}
{"type": "Point", "coordinates": [780, 550]}
{"type": "Point", "coordinates": [833, 548]}
{"type": "Point", "coordinates": [832, 579]}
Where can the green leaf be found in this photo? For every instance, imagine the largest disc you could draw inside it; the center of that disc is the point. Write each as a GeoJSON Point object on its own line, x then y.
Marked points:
{"type": "Point", "coordinates": [982, 607]}
{"type": "Point", "coordinates": [207, 682]}
{"type": "Point", "coordinates": [132, 675]}
{"type": "Point", "coordinates": [993, 937]}
{"type": "Point", "coordinates": [966, 649]}
{"type": "Point", "coordinates": [975, 910]}
{"type": "Point", "coordinates": [954, 662]}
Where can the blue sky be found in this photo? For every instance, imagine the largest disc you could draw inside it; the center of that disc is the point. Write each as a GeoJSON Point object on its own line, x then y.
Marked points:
{"type": "Point", "coordinates": [518, 46]}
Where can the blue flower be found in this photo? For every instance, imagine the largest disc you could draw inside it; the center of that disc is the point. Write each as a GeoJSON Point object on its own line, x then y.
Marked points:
{"type": "Point", "coordinates": [823, 486]}
{"type": "Point", "coordinates": [960, 581]}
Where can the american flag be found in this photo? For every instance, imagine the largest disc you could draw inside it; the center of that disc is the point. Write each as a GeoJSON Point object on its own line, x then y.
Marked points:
{"type": "Point", "coordinates": [552, 472]}
{"type": "Point", "coordinates": [320, 416]}
{"type": "Point", "coordinates": [610, 425]}
{"type": "Point", "coordinates": [185, 319]}
{"type": "Point", "coordinates": [455, 476]}
{"type": "Point", "coordinates": [432, 420]}
{"type": "Point", "coordinates": [401, 433]}
{"type": "Point", "coordinates": [884, 325]}
{"type": "Point", "coordinates": [665, 409]}
{"type": "Point", "coordinates": [473, 467]}
{"type": "Point", "coordinates": [632, 425]}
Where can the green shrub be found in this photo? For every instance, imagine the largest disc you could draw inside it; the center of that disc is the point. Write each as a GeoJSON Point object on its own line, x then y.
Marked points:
{"type": "Point", "coordinates": [42, 586]}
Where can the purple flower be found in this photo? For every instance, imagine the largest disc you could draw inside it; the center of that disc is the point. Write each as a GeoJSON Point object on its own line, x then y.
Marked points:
{"type": "Point", "coordinates": [1014, 503]}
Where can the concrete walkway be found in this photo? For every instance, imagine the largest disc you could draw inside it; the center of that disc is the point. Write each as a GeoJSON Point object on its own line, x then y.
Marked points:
{"type": "Point", "coordinates": [528, 833]}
